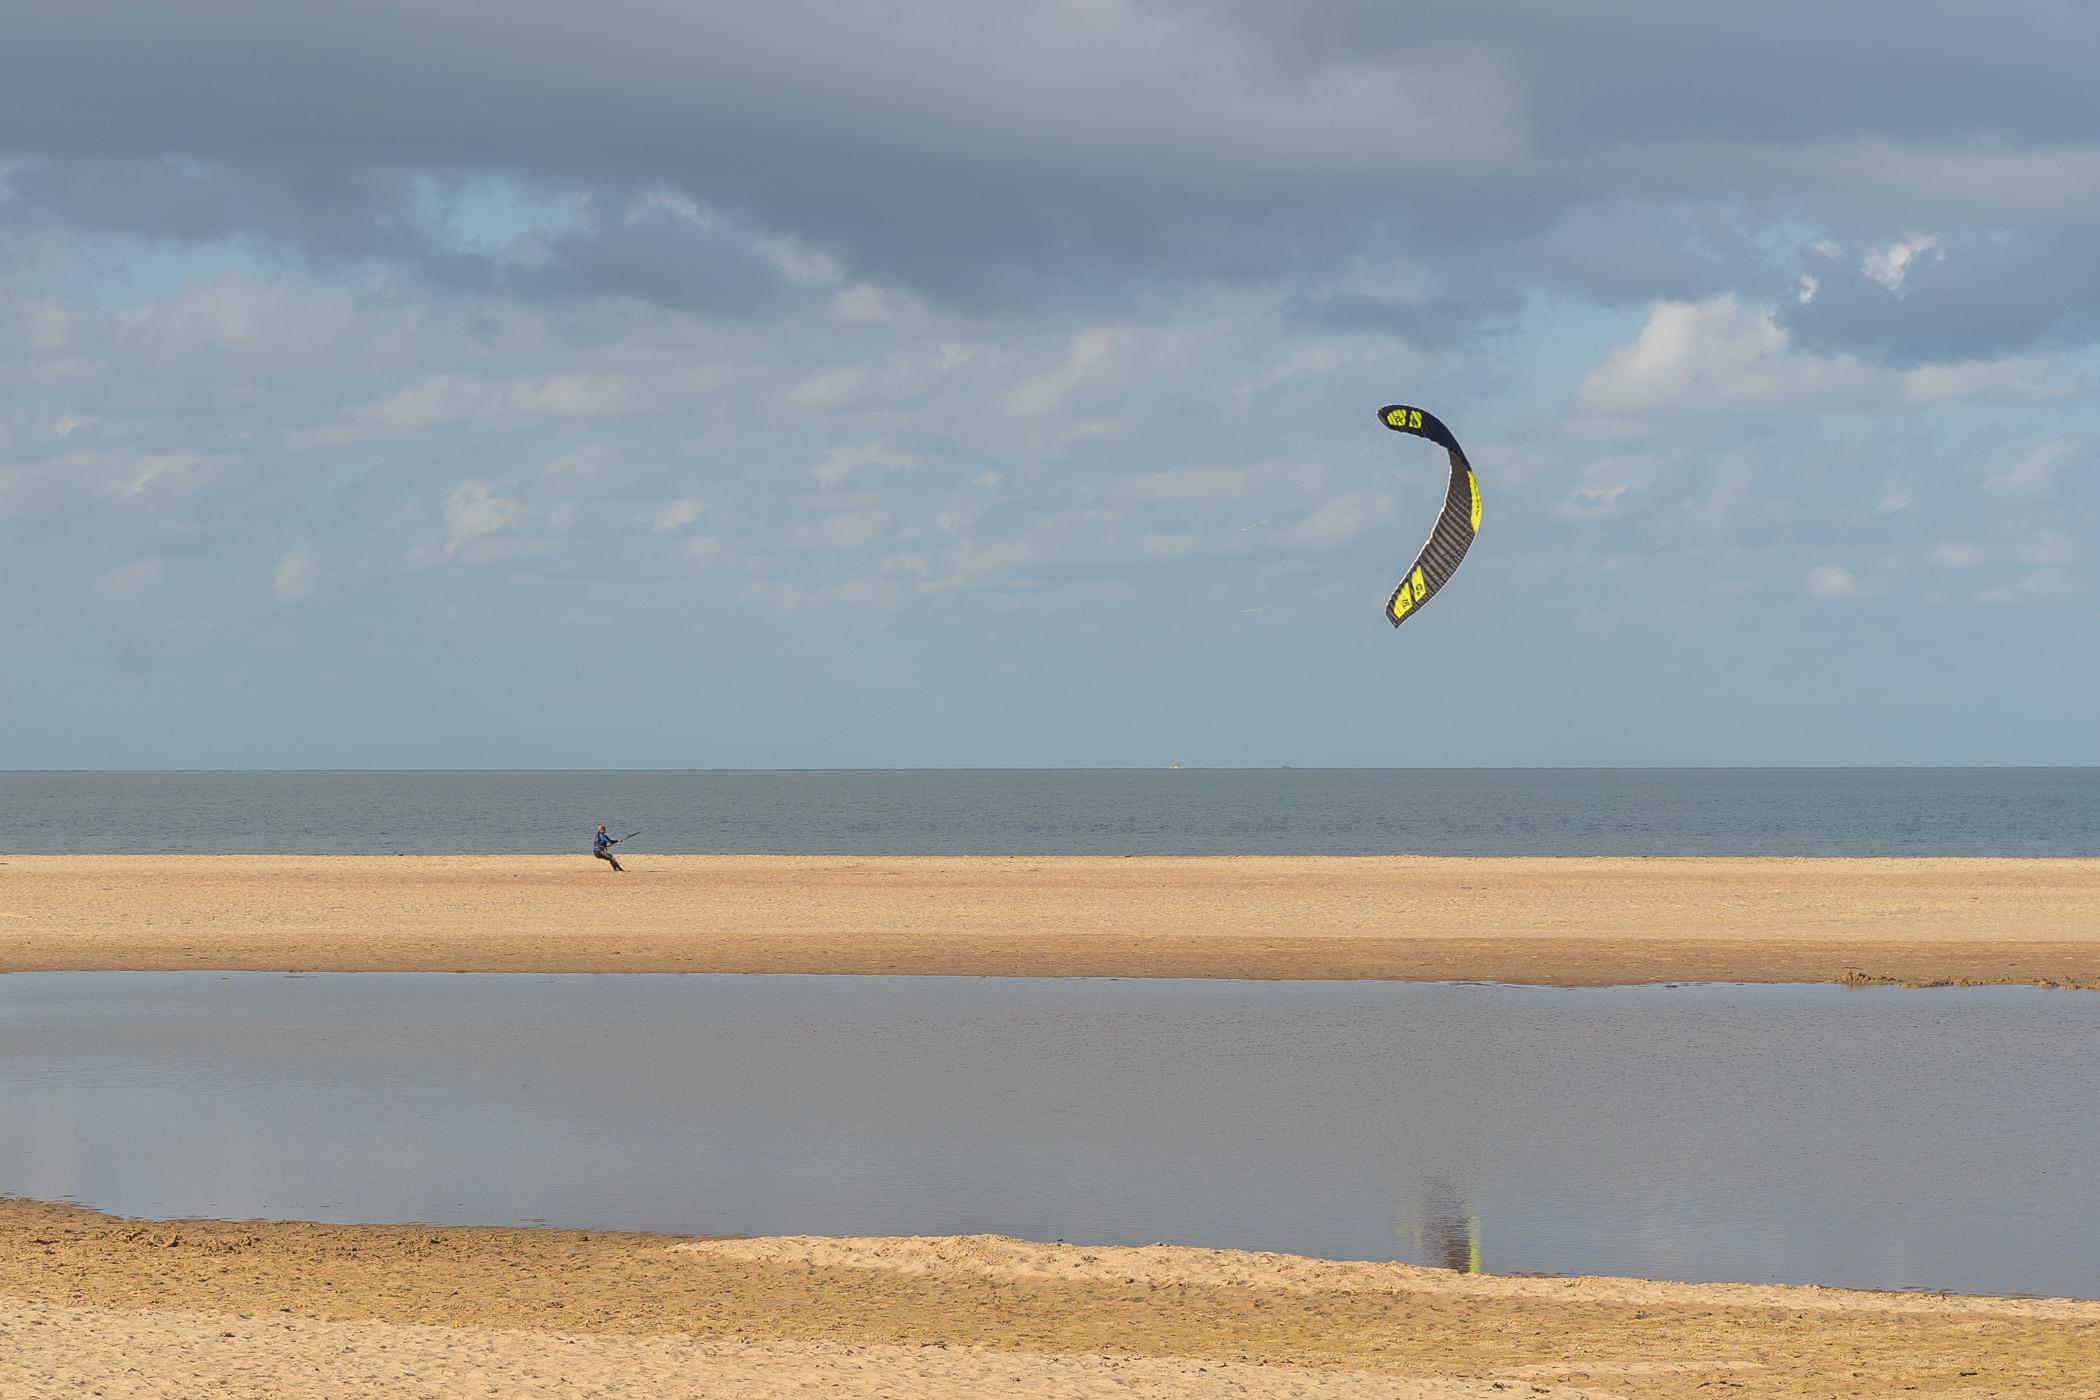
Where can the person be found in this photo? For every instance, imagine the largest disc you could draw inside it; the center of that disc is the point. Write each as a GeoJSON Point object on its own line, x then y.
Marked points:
{"type": "Point", "coordinates": [601, 847]}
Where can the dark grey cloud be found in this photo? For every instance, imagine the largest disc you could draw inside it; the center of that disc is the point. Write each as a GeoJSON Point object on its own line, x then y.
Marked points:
{"type": "Point", "coordinates": [324, 211]}
{"type": "Point", "coordinates": [1040, 153]}
{"type": "Point", "coordinates": [1623, 252]}
{"type": "Point", "coordinates": [1638, 72]}
{"type": "Point", "coordinates": [1444, 322]}
{"type": "Point", "coordinates": [619, 243]}
{"type": "Point", "coordinates": [1968, 297]}
{"type": "Point", "coordinates": [654, 253]}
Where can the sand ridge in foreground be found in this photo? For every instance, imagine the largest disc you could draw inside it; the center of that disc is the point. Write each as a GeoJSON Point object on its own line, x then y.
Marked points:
{"type": "Point", "coordinates": [1564, 921]}
{"type": "Point", "coordinates": [149, 1308]}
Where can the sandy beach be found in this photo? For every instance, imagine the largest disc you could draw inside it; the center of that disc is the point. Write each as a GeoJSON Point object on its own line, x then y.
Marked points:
{"type": "Point", "coordinates": [95, 1304]}
{"type": "Point", "coordinates": [91, 1303]}
{"type": "Point", "coordinates": [1569, 922]}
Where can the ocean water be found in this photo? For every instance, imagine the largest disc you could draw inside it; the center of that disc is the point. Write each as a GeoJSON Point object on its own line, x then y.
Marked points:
{"type": "Point", "coordinates": [1876, 1138]}
{"type": "Point", "coordinates": [1816, 811]}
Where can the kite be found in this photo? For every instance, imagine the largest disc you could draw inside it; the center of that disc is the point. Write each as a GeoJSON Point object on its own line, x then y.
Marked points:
{"type": "Point", "coordinates": [1455, 526]}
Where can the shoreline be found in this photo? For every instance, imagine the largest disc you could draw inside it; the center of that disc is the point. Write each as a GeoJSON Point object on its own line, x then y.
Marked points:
{"type": "Point", "coordinates": [288, 1305]}
{"type": "Point", "coordinates": [1555, 921]}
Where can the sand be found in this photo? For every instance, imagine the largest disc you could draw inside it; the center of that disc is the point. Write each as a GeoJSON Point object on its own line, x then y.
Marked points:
{"type": "Point", "coordinates": [92, 1303]}
{"type": "Point", "coordinates": [95, 1305]}
{"type": "Point", "coordinates": [1554, 921]}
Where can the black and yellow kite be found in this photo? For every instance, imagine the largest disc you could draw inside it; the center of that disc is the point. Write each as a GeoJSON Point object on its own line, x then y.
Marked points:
{"type": "Point", "coordinates": [1455, 526]}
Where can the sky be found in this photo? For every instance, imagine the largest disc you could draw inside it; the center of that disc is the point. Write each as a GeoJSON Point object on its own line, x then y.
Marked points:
{"type": "Point", "coordinates": [818, 384]}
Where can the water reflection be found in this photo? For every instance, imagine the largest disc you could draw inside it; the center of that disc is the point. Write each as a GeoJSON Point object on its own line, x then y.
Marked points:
{"type": "Point", "coordinates": [1878, 1139]}
{"type": "Point", "coordinates": [1433, 1225]}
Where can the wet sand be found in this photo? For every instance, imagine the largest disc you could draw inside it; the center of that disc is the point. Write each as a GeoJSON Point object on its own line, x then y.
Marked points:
{"type": "Point", "coordinates": [127, 1308]}
{"type": "Point", "coordinates": [1573, 922]}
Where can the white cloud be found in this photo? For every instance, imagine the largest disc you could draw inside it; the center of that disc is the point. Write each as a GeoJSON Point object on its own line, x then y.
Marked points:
{"type": "Point", "coordinates": [1956, 556]}
{"type": "Point", "coordinates": [841, 462]}
{"type": "Point", "coordinates": [1046, 392]}
{"type": "Point", "coordinates": [1597, 499]}
{"type": "Point", "coordinates": [903, 376]}
{"type": "Point", "coordinates": [1890, 265]}
{"type": "Point", "coordinates": [472, 511]}
{"type": "Point", "coordinates": [865, 304]}
{"type": "Point", "coordinates": [1719, 356]}
{"type": "Point", "coordinates": [674, 515]}
{"type": "Point", "coordinates": [2020, 378]}
{"type": "Point", "coordinates": [2034, 478]}
{"type": "Point", "coordinates": [126, 476]}
{"type": "Point", "coordinates": [296, 573]}
{"type": "Point", "coordinates": [906, 564]}
{"type": "Point", "coordinates": [1832, 581]}
{"type": "Point", "coordinates": [1724, 356]}
{"type": "Point", "coordinates": [445, 400]}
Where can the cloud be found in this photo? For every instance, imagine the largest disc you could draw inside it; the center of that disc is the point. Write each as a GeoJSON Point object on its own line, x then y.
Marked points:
{"type": "Point", "coordinates": [1890, 265]}
{"type": "Point", "coordinates": [1718, 356]}
{"type": "Point", "coordinates": [1447, 321]}
{"type": "Point", "coordinates": [2034, 478]}
{"type": "Point", "coordinates": [844, 461]}
{"type": "Point", "coordinates": [1597, 499]}
{"type": "Point", "coordinates": [473, 511]}
{"type": "Point", "coordinates": [674, 515]}
{"type": "Point", "coordinates": [660, 248]}
{"type": "Point", "coordinates": [1048, 391]}
{"type": "Point", "coordinates": [296, 572]}
{"type": "Point", "coordinates": [1967, 294]}
{"type": "Point", "coordinates": [1043, 153]}
{"type": "Point", "coordinates": [842, 531]}
{"type": "Point", "coordinates": [941, 313]}
{"type": "Point", "coordinates": [1723, 356]}
{"type": "Point", "coordinates": [1832, 581]}
{"type": "Point", "coordinates": [131, 580]}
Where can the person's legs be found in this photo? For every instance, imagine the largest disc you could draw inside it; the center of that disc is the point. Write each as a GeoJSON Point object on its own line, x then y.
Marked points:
{"type": "Point", "coordinates": [607, 857]}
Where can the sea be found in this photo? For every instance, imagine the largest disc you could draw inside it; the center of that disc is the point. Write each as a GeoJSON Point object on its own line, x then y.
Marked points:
{"type": "Point", "coordinates": [1287, 811]}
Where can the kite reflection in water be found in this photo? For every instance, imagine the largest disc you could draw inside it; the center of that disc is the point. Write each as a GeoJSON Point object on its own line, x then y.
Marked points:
{"type": "Point", "coordinates": [1434, 1226]}
{"type": "Point", "coordinates": [1455, 525]}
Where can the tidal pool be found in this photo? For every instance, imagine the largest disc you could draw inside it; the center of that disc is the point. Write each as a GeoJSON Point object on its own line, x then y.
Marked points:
{"type": "Point", "coordinates": [1879, 1138]}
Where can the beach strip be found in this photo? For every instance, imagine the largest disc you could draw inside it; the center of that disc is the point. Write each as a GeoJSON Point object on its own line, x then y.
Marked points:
{"type": "Point", "coordinates": [140, 1307]}
{"type": "Point", "coordinates": [1552, 921]}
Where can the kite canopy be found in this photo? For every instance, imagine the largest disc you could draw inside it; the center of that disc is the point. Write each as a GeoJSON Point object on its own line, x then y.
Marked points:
{"type": "Point", "coordinates": [1453, 532]}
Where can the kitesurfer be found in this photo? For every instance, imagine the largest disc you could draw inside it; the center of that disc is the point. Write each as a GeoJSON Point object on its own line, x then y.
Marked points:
{"type": "Point", "coordinates": [601, 847]}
